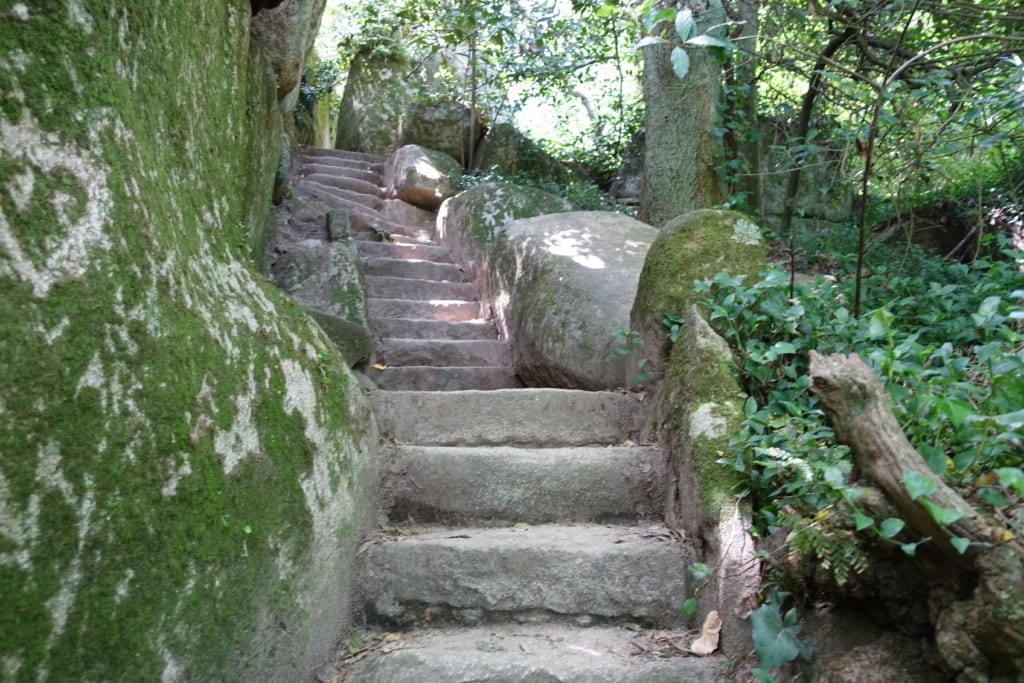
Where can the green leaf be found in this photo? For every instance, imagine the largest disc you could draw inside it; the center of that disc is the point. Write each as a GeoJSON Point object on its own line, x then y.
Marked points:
{"type": "Point", "coordinates": [783, 347]}
{"type": "Point", "coordinates": [689, 607]}
{"type": "Point", "coordinates": [891, 526]}
{"type": "Point", "coordinates": [960, 544]}
{"type": "Point", "coordinates": [705, 40]}
{"type": "Point", "coordinates": [1011, 477]}
{"type": "Point", "coordinates": [943, 516]}
{"type": "Point", "coordinates": [774, 641]}
{"type": "Point", "coordinates": [881, 322]}
{"type": "Point", "coordinates": [686, 27]}
{"type": "Point", "coordinates": [680, 62]}
{"type": "Point", "coordinates": [956, 411]}
{"type": "Point", "coordinates": [861, 520]}
{"type": "Point", "coordinates": [917, 484]}
{"type": "Point", "coordinates": [909, 548]}
{"type": "Point", "coordinates": [762, 676]}
{"type": "Point", "coordinates": [605, 11]}
{"type": "Point", "coordinates": [651, 40]}
{"type": "Point", "coordinates": [699, 570]}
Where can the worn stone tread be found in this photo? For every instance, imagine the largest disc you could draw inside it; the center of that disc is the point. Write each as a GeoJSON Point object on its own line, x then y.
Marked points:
{"type": "Point", "coordinates": [433, 329]}
{"type": "Point", "coordinates": [416, 269]}
{"type": "Point", "coordinates": [607, 572]}
{"type": "Point", "coordinates": [396, 250]}
{"type": "Point", "coordinates": [511, 417]}
{"type": "Point", "coordinates": [536, 485]}
{"type": "Point", "coordinates": [369, 201]}
{"type": "Point", "coordinates": [388, 287]}
{"type": "Point", "coordinates": [453, 310]}
{"type": "Point", "coordinates": [444, 379]}
{"type": "Point", "coordinates": [348, 184]}
{"type": "Point", "coordinates": [444, 352]}
{"type": "Point", "coordinates": [309, 151]}
{"type": "Point", "coordinates": [536, 653]}
{"type": "Point", "coordinates": [358, 172]}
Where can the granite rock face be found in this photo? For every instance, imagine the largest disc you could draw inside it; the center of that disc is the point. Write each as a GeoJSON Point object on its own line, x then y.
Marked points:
{"type": "Point", "coordinates": [377, 91]}
{"type": "Point", "coordinates": [563, 285]}
{"type": "Point", "coordinates": [179, 493]}
{"type": "Point", "coordinates": [420, 176]}
{"type": "Point", "coordinates": [285, 34]}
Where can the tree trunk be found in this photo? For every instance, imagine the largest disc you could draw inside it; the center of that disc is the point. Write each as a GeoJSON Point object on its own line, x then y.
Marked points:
{"type": "Point", "coordinates": [979, 636]}
{"type": "Point", "coordinates": [681, 150]}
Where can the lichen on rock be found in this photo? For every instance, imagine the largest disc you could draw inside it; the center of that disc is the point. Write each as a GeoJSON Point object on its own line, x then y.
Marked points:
{"type": "Point", "coordinates": [166, 512]}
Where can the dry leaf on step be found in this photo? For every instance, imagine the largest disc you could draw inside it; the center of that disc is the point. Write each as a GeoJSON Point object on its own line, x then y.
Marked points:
{"type": "Point", "coordinates": [708, 641]}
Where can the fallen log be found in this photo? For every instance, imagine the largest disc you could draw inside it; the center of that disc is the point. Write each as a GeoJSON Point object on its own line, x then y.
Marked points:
{"type": "Point", "coordinates": [993, 618]}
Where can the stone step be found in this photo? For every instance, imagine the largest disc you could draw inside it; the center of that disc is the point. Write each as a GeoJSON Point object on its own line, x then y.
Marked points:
{"type": "Point", "coordinates": [383, 287]}
{"type": "Point", "coordinates": [548, 653]}
{"type": "Point", "coordinates": [375, 167]}
{"type": "Point", "coordinates": [308, 151]}
{"type": "Point", "coordinates": [370, 201]}
{"type": "Point", "coordinates": [419, 378]}
{"type": "Point", "coordinates": [338, 171]}
{"type": "Point", "coordinates": [507, 485]}
{"type": "Point", "coordinates": [444, 352]}
{"type": "Point", "coordinates": [433, 329]}
{"type": "Point", "coordinates": [396, 250]}
{"type": "Point", "coordinates": [414, 269]}
{"type": "Point", "coordinates": [580, 571]}
{"type": "Point", "coordinates": [437, 309]}
{"type": "Point", "coordinates": [340, 182]}
{"type": "Point", "coordinates": [360, 215]}
{"type": "Point", "coordinates": [515, 417]}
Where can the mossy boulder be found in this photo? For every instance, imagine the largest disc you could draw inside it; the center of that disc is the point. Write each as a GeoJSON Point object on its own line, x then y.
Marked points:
{"type": "Point", "coordinates": [699, 407]}
{"type": "Point", "coordinates": [285, 34]}
{"type": "Point", "coordinates": [377, 92]}
{"type": "Point", "coordinates": [694, 246]}
{"type": "Point", "coordinates": [445, 125]}
{"type": "Point", "coordinates": [315, 261]}
{"type": "Point", "coordinates": [420, 176]}
{"type": "Point", "coordinates": [186, 457]}
{"type": "Point", "coordinates": [469, 222]}
{"type": "Point", "coordinates": [562, 285]}
{"type": "Point", "coordinates": [506, 150]}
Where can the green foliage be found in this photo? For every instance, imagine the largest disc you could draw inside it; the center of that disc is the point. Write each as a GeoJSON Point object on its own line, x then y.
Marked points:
{"type": "Point", "coordinates": [948, 341]}
{"type": "Point", "coordinates": [776, 638]}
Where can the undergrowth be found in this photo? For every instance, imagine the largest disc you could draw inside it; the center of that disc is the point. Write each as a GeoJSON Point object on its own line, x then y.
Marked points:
{"type": "Point", "coordinates": [947, 340]}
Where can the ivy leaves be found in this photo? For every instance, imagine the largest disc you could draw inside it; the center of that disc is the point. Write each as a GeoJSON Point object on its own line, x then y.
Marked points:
{"type": "Point", "coordinates": [687, 34]}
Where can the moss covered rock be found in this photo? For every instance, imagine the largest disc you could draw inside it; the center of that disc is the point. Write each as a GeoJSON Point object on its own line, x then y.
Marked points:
{"type": "Point", "coordinates": [420, 176]}
{"type": "Point", "coordinates": [699, 407]}
{"type": "Point", "coordinates": [185, 455]}
{"type": "Point", "coordinates": [506, 150]}
{"type": "Point", "coordinates": [691, 247]}
{"type": "Point", "coordinates": [285, 34]}
{"type": "Point", "coordinates": [444, 125]}
{"type": "Point", "coordinates": [469, 222]}
{"type": "Point", "coordinates": [377, 92]}
{"type": "Point", "coordinates": [562, 285]}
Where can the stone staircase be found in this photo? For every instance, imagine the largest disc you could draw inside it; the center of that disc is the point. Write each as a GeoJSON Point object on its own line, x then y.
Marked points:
{"type": "Point", "coordinates": [519, 537]}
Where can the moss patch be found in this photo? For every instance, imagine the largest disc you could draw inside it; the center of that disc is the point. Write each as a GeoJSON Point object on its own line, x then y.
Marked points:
{"type": "Point", "coordinates": [692, 247]}
{"type": "Point", "coordinates": [163, 507]}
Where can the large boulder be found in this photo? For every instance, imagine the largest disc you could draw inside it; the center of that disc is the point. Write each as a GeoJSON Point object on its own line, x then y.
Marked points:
{"type": "Point", "coordinates": [445, 125]}
{"type": "Point", "coordinates": [698, 408]}
{"type": "Point", "coordinates": [691, 247]}
{"type": "Point", "coordinates": [285, 33]}
{"type": "Point", "coordinates": [323, 273]}
{"type": "Point", "coordinates": [505, 150]}
{"type": "Point", "coordinates": [377, 91]}
{"type": "Point", "coordinates": [420, 176]}
{"type": "Point", "coordinates": [563, 285]}
{"type": "Point", "coordinates": [469, 222]}
{"type": "Point", "coordinates": [186, 461]}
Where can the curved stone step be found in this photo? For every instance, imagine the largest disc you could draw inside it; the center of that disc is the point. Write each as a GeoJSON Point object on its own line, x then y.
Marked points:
{"type": "Point", "coordinates": [433, 329]}
{"type": "Point", "coordinates": [353, 185]}
{"type": "Point", "coordinates": [339, 171]}
{"type": "Point", "coordinates": [513, 417]}
{"type": "Point", "coordinates": [437, 309]}
{"type": "Point", "coordinates": [548, 653]}
{"type": "Point", "coordinates": [307, 150]}
{"type": "Point", "coordinates": [540, 485]}
{"type": "Point", "coordinates": [375, 167]}
{"type": "Point", "coordinates": [385, 287]}
{"type": "Point", "coordinates": [369, 201]}
{"type": "Point", "coordinates": [444, 352]}
{"type": "Point", "coordinates": [443, 379]}
{"type": "Point", "coordinates": [414, 269]}
{"type": "Point", "coordinates": [395, 250]}
{"type": "Point", "coordinates": [585, 570]}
